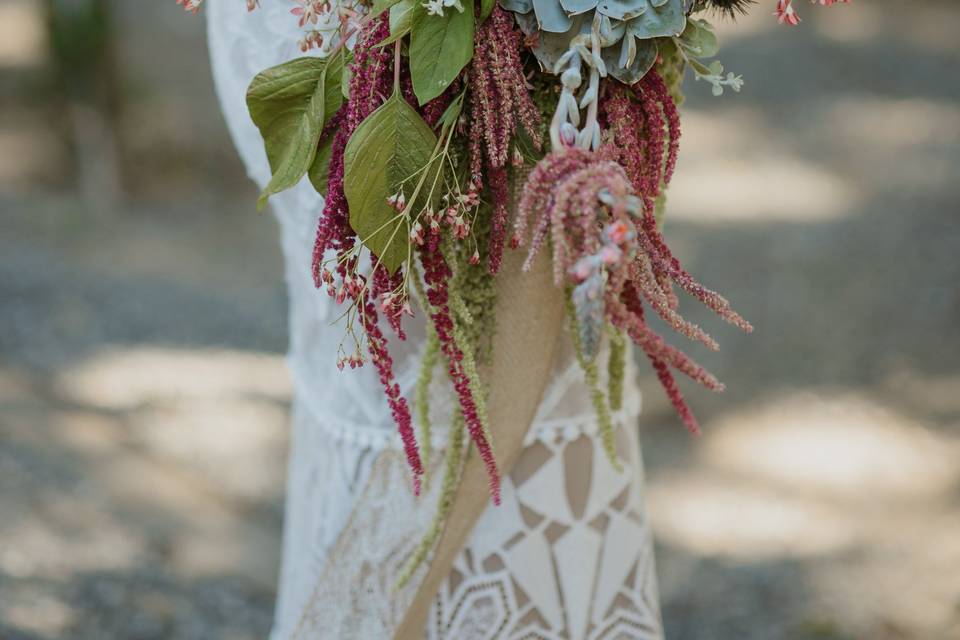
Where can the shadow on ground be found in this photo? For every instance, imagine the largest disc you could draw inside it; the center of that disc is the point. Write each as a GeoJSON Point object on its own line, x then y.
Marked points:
{"type": "Point", "coordinates": [143, 394]}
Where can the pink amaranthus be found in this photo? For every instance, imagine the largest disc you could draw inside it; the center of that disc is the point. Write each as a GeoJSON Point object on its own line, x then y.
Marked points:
{"type": "Point", "coordinates": [786, 14]}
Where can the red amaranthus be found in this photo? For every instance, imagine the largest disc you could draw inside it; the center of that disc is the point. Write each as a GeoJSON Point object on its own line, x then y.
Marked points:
{"type": "Point", "coordinates": [372, 75]}
{"type": "Point", "coordinates": [500, 104]}
{"type": "Point", "coordinates": [607, 246]}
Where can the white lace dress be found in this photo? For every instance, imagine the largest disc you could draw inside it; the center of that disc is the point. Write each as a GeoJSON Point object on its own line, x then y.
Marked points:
{"type": "Point", "coordinates": [569, 552]}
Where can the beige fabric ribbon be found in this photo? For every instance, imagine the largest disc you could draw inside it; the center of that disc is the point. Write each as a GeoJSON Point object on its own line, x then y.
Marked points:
{"type": "Point", "coordinates": [386, 522]}
{"type": "Point", "coordinates": [529, 321]}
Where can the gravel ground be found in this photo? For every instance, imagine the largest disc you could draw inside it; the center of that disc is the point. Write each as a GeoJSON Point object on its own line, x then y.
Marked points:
{"type": "Point", "coordinates": [143, 394]}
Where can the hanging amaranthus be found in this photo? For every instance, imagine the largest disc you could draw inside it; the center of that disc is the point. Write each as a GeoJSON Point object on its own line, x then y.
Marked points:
{"type": "Point", "coordinates": [645, 133]}
{"type": "Point", "coordinates": [500, 105]}
{"type": "Point", "coordinates": [418, 126]}
{"type": "Point", "coordinates": [372, 73]}
{"type": "Point", "coordinates": [436, 276]}
{"type": "Point", "coordinates": [605, 243]}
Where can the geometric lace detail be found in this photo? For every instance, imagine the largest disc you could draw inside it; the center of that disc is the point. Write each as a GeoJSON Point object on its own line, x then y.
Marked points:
{"type": "Point", "coordinates": [552, 563]}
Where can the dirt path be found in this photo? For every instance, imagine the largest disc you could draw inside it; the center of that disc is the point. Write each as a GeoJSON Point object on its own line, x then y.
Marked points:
{"type": "Point", "coordinates": [143, 395]}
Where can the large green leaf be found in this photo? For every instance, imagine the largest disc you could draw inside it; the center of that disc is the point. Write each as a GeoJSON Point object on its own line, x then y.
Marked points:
{"type": "Point", "coordinates": [289, 104]}
{"type": "Point", "coordinates": [387, 151]}
{"type": "Point", "coordinates": [486, 8]}
{"type": "Point", "coordinates": [379, 6]}
{"type": "Point", "coordinates": [401, 18]}
{"type": "Point", "coordinates": [440, 47]}
{"type": "Point", "coordinates": [320, 169]}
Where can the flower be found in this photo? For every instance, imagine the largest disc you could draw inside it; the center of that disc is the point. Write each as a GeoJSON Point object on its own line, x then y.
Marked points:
{"type": "Point", "coordinates": [433, 7]}
{"type": "Point", "coordinates": [786, 14]}
{"type": "Point", "coordinates": [619, 232]}
{"type": "Point", "coordinates": [310, 10]}
{"type": "Point", "coordinates": [192, 6]}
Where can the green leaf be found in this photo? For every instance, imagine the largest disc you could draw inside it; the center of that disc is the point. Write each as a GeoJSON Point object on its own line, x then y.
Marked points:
{"type": "Point", "coordinates": [289, 104]}
{"type": "Point", "coordinates": [451, 113]}
{"type": "Point", "coordinates": [401, 18]}
{"type": "Point", "coordinates": [486, 8]}
{"type": "Point", "coordinates": [389, 150]}
{"type": "Point", "coordinates": [440, 47]}
{"type": "Point", "coordinates": [320, 169]}
{"type": "Point", "coordinates": [345, 78]}
{"type": "Point", "coordinates": [334, 77]}
{"type": "Point", "coordinates": [699, 39]}
{"type": "Point", "coordinates": [379, 6]}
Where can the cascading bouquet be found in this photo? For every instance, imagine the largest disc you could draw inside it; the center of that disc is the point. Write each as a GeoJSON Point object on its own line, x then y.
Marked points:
{"type": "Point", "coordinates": [443, 133]}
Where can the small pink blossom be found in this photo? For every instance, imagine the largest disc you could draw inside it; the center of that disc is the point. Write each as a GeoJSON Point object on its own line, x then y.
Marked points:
{"type": "Point", "coordinates": [309, 10]}
{"type": "Point", "coordinates": [786, 14]}
{"type": "Point", "coordinates": [619, 232]}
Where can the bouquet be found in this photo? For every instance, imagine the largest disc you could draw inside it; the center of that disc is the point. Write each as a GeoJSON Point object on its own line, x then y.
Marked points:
{"type": "Point", "coordinates": [443, 133]}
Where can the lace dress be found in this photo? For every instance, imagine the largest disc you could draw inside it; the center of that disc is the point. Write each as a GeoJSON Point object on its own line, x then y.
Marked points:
{"type": "Point", "coordinates": [569, 552]}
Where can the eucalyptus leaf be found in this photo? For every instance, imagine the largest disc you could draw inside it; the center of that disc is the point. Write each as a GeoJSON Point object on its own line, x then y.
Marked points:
{"type": "Point", "coordinates": [550, 47]}
{"type": "Point", "coordinates": [440, 47]}
{"type": "Point", "coordinates": [699, 39]}
{"type": "Point", "coordinates": [643, 60]}
{"type": "Point", "coordinates": [623, 9]}
{"type": "Point", "coordinates": [574, 7]}
{"type": "Point", "coordinates": [551, 17]}
{"type": "Point", "coordinates": [388, 150]}
{"type": "Point", "coordinates": [657, 20]}
{"type": "Point", "coordinates": [517, 6]}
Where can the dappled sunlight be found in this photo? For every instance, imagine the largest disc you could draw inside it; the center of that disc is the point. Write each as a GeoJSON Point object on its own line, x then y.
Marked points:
{"type": "Point", "coordinates": [934, 394]}
{"type": "Point", "coordinates": [221, 413]}
{"type": "Point", "coordinates": [23, 38]}
{"type": "Point", "coordinates": [932, 26]}
{"type": "Point", "coordinates": [125, 378]}
{"type": "Point", "coordinates": [144, 405]}
{"type": "Point", "coordinates": [853, 27]}
{"type": "Point", "coordinates": [237, 442]}
{"type": "Point", "coordinates": [759, 190]}
{"type": "Point", "coordinates": [709, 516]}
{"type": "Point", "coordinates": [846, 445]}
{"type": "Point", "coordinates": [140, 489]}
{"type": "Point", "coordinates": [37, 610]}
{"type": "Point", "coordinates": [893, 124]}
{"type": "Point", "coordinates": [29, 150]}
{"type": "Point", "coordinates": [799, 475]}
{"type": "Point", "coordinates": [737, 169]}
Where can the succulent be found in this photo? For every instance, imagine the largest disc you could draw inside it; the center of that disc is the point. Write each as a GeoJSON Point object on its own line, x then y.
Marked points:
{"type": "Point", "coordinates": [626, 30]}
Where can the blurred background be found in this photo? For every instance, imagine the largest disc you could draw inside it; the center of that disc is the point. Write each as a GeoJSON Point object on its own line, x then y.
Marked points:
{"type": "Point", "coordinates": [143, 395]}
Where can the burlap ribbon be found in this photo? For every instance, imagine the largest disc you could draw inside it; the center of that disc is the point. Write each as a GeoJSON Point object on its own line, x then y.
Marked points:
{"type": "Point", "coordinates": [529, 321]}
{"type": "Point", "coordinates": [530, 314]}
